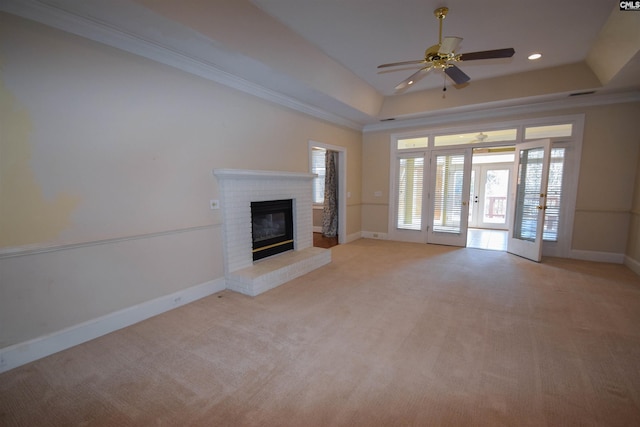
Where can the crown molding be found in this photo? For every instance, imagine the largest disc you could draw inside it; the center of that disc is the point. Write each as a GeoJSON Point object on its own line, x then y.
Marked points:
{"type": "Point", "coordinates": [501, 109]}
{"type": "Point", "coordinates": [143, 41]}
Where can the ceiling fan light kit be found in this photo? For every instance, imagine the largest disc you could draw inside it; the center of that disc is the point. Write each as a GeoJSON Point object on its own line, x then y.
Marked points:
{"type": "Point", "coordinates": [443, 55]}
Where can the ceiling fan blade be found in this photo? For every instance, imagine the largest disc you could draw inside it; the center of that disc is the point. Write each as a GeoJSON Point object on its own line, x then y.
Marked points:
{"type": "Point", "coordinates": [413, 78]}
{"type": "Point", "coordinates": [488, 54]}
{"type": "Point", "coordinates": [457, 75]}
{"type": "Point", "coordinates": [393, 64]}
{"type": "Point", "coordinates": [449, 44]}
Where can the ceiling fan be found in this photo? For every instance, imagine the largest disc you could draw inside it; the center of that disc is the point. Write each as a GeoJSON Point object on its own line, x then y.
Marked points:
{"type": "Point", "coordinates": [443, 55]}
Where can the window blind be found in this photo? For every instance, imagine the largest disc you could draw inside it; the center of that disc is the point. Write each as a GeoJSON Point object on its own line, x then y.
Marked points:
{"type": "Point", "coordinates": [410, 181]}
{"type": "Point", "coordinates": [554, 195]}
{"type": "Point", "coordinates": [317, 167]}
{"type": "Point", "coordinates": [528, 194]}
{"type": "Point", "coordinates": [447, 200]}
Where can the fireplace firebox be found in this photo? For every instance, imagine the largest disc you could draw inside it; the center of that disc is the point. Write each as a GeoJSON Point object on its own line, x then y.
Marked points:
{"type": "Point", "coordinates": [271, 227]}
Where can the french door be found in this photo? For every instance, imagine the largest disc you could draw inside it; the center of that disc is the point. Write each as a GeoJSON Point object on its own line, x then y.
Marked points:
{"type": "Point", "coordinates": [450, 182]}
{"type": "Point", "coordinates": [409, 222]}
{"type": "Point", "coordinates": [489, 196]}
{"type": "Point", "coordinates": [529, 199]}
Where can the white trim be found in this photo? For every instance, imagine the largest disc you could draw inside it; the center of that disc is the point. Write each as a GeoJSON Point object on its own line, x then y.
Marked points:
{"type": "Point", "coordinates": [632, 264]}
{"type": "Point", "coordinates": [28, 351]}
{"type": "Point", "coordinates": [497, 110]}
{"type": "Point", "coordinates": [595, 256]}
{"type": "Point", "coordinates": [374, 235]}
{"type": "Point", "coordinates": [16, 251]}
{"type": "Point", "coordinates": [317, 229]}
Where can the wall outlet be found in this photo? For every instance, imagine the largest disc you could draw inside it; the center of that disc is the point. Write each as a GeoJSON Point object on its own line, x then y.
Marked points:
{"type": "Point", "coordinates": [214, 204]}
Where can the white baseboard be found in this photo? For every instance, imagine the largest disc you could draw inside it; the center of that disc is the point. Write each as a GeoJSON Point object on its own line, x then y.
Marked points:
{"type": "Point", "coordinates": [317, 229]}
{"type": "Point", "coordinates": [610, 257]}
{"type": "Point", "coordinates": [374, 235]}
{"type": "Point", "coordinates": [28, 351]}
{"type": "Point", "coordinates": [632, 264]}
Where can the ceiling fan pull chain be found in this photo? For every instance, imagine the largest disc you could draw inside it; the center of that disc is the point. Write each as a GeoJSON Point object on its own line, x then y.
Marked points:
{"type": "Point", "coordinates": [444, 87]}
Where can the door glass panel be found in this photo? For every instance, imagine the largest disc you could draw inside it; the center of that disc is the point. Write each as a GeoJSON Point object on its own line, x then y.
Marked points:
{"type": "Point", "coordinates": [554, 195]}
{"type": "Point", "coordinates": [448, 193]}
{"type": "Point", "coordinates": [410, 173]}
{"type": "Point", "coordinates": [473, 199]}
{"type": "Point", "coordinates": [528, 194]}
{"type": "Point", "coordinates": [496, 190]}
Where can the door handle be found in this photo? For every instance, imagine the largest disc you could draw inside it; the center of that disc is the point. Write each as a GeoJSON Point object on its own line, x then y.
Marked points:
{"type": "Point", "coordinates": [542, 208]}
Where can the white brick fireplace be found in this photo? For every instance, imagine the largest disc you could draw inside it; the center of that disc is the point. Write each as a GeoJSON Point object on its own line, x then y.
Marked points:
{"type": "Point", "coordinates": [238, 188]}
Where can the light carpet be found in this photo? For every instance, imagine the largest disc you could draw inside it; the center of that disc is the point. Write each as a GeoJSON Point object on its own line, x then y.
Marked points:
{"type": "Point", "coordinates": [388, 334]}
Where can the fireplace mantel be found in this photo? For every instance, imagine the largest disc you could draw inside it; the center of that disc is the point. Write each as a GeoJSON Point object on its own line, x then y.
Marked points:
{"type": "Point", "coordinates": [240, 187]}
{"type": "Point", "coordinates": [260, 174]}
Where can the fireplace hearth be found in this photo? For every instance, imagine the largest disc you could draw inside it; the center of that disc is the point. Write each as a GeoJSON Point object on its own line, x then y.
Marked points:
{"type": "Point", "coordinates": [271, 227]}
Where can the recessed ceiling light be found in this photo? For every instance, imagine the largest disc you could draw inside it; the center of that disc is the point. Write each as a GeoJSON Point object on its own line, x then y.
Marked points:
{"type": "Point", "coordinates": [534, 56]}
{"type": "Point", "coordinates": [410, 82]}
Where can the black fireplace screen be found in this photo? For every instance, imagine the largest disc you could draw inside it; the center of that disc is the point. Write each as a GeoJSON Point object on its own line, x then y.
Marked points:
{"type": "Point", "coordinates": [271, 227]}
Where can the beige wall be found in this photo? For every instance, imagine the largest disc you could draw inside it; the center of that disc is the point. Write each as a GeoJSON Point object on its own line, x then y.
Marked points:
{"type": "Point", "coordinates": [375, 178]}
{"type": "Point", "coordinates": [633, 245]}
{"type": "Point", "coordinates": [317, 217]}
{"type": "Point", "coordinates": [565, 78]}
{"type": "Point", "coordinates": [97, 145]}
{"type": "Point", "coordinates": [607, 176]}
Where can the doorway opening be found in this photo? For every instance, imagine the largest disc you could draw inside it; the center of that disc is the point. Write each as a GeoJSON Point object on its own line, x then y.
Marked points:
{"type": "Point", "coordinates": [317, 153]}
{"type": "Point", "coordinates": [491, 174]}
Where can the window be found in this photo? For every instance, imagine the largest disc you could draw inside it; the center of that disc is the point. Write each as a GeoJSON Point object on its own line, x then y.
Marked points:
{"type": "Point", "coordinates": [447, 208]}
{"type": "Point", "coordinates": [554, 195]}
{"type": "Point", "coordinates": [408, 143]}
{"type": "Point", "coordinates": [410, 173]}
{"type": "Point", "coordinates": [551, 131]}
{"type": "Point", "coordinates": [491, 143]}
{"type": "Point", "coordinates": [476, 137]}
{"type": "Point", "coordinates": [317, 167]}
{"type": "Point", "coordinates": [529, 176]}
